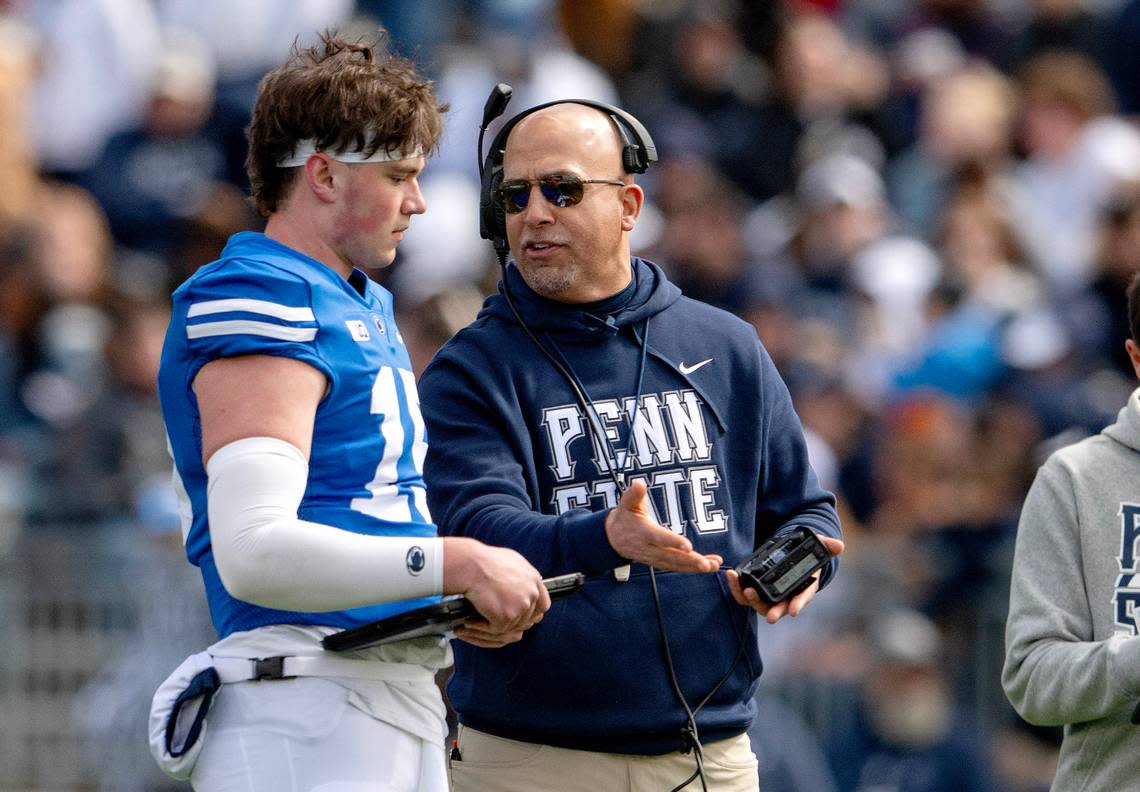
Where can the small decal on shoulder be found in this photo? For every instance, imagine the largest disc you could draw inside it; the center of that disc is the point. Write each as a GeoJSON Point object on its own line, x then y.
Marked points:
{"type": "Point", "coordinates": [415, 560]}
{"type": "Point", "coordinates": [357, 329]}
{"type": "Point", "coordinates": [379, 322]}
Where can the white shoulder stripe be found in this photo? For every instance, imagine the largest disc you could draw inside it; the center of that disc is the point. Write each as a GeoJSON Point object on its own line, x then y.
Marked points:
{"type": "Point", "coordinates": [246, 327]}
{"type": "Point", "coordinates": [264, 307]}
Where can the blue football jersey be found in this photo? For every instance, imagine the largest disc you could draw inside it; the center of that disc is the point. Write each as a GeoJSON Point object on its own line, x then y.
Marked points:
{"type": "Point", "coordinates": [366, 462]}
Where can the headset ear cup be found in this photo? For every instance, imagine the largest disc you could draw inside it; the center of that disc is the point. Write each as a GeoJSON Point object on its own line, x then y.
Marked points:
{"type": "Point", "coordinates": [632, 159]}
{"type": "Point", "coordinates": [629, 159]}
{"type": "Point", "coordinates": [500, 219]}
{"type": "Point", "coordinates": [488, 216]}
{"type": "Point", "coordinates": [492, 218]}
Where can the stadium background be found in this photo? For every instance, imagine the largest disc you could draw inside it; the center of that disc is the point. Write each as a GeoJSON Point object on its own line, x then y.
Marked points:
{"type": "Point", "coordinates": [928, 209]}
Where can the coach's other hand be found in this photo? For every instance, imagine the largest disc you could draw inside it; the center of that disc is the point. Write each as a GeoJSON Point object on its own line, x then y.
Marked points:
{"type": "Point", "coordinates": [634, 534]}
{"type": "Point", "coordinates": [772, 613]}
{"type": "Point", "coordinates": [502, 585]}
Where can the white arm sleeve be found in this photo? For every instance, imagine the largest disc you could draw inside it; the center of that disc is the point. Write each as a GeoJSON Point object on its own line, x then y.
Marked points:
{"type": "Point", "coordinates": [267, 556]}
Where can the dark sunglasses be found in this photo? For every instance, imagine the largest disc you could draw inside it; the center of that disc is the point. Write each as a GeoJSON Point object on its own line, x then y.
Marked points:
{"type": "Point", "coordinates": [562, 191]}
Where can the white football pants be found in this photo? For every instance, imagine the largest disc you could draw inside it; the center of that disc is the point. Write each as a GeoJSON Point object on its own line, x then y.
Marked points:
{"type": "Point", "coordinates": [302, 735]}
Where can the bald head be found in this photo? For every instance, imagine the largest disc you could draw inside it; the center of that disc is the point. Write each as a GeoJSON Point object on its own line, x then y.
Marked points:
{"type": "Point", "coordinates": [582, 134]}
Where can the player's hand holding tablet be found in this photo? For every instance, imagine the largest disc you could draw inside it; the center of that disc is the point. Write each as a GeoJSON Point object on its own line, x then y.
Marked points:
{"type": "Point", "coordinates": [443, 618]}
{"type": "Point", "coordinates": [506, 590]}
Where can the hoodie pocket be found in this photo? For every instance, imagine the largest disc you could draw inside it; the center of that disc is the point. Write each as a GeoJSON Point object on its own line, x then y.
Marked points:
{"type": "Point", "coordinates": [599, 659]}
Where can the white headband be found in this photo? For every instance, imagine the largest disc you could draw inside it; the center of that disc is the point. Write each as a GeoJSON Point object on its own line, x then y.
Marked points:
{"type": "Point", "coordinates": [307, 148]}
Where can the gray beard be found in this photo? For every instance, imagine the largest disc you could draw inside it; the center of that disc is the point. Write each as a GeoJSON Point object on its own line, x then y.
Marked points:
{"type": "Point", "coordinates": [550, 282]}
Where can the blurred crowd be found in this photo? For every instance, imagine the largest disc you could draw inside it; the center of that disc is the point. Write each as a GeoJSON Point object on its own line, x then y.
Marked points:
{"type": "Point", "coordinates": [929, 209]}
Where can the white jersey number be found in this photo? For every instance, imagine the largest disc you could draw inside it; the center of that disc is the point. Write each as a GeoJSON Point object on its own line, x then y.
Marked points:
{"type": "Point", "coordinates": [397, 492]}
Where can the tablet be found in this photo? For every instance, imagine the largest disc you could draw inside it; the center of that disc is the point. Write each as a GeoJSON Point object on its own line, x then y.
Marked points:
{"type": "Point", "coordinates": [438, 618]}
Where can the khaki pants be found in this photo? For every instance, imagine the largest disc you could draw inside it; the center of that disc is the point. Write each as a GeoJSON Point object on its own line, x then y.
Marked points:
{"type": "Point", "coordinates": [494, 764]}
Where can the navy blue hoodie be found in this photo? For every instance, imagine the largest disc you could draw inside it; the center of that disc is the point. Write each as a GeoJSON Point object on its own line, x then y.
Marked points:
{"type": "Point", "coordinates": [511, 461]}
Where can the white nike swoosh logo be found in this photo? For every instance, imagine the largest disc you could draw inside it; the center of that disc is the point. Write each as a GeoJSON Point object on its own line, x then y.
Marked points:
{"type": "Point", "coordinates": [687, 370]}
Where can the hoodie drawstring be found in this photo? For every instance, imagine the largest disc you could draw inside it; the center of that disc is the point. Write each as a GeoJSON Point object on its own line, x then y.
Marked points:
{"type": "Point", "coordinates": [611, 458]}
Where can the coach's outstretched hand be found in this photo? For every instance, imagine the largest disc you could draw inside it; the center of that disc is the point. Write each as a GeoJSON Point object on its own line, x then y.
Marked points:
{"type": "Point", "coordinates": [634, 534]}
{"type": "Point", "coordinates": [502, 585]}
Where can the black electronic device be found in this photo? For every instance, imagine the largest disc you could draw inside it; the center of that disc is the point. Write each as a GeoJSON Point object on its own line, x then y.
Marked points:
{"type": "Point", "coordinates": [439, 618]}
{"type": "Point", "coordinates": [783, 566]}
{"type": "Point", "coordinates": [638, 152]}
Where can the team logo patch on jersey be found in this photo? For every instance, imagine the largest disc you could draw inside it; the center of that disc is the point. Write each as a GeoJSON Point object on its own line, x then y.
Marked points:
{"type": "Point", "coordinates": [379, 322]}
{"type": "Point", "coordinates": [415, 560]}
{"type": "Point", "coordinates": [357, 329]}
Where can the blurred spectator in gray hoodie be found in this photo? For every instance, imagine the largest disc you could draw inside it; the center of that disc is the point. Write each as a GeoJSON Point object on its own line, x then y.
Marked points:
{"type": "Point", "coordinates": [1072, 647]}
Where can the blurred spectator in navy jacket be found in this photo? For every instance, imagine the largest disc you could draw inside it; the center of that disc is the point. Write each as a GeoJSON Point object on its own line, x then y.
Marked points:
{"type": "Point", "coordinates": [908, 737]}
{"type": "Point", "coordinates": [154, 178]}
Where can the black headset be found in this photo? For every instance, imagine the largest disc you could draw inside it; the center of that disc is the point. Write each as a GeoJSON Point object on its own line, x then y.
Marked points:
{"type": "Point", "coordinates": [637, 153]}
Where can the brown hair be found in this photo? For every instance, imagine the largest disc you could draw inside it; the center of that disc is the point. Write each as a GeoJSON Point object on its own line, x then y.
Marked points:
{"type": "Point", "coordinates": [346, 97]}
{"type": "Point", "coordinates": [1069, 79]}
